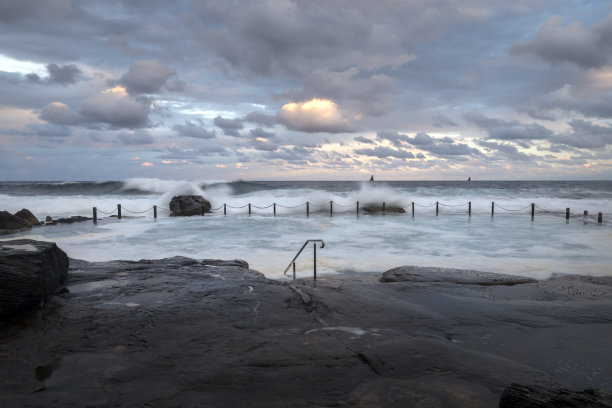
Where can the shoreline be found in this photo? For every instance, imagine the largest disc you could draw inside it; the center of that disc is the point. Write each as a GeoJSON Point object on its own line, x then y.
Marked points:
{"type": "Point", "coordinates": [187, 332]}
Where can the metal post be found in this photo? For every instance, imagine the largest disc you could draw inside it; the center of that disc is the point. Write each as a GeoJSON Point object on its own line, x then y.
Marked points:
{"type": "Point", "coordinates": [224, 209]}
{"type": "Point", "coordinates": [119, 211]}
{"type": "Point", "coordinates": [413, 209]}
{"type": "Point", "coordinates": [600, 217]}
{"type": "Point", "coordinates": [567, 213]}
{"type": "Point", "coordinates": [249, 208]}
{"type": "Point", "coordinates": [532, 210]}
{"type": "Point", "coordinates": [155, 211]}
{"type": "Point", "coordinates": [294, 271]}
{"type": "Point", "coordinates": [307, 209]}
{"type": "Point", "coordinates": [383, 207]}
{"type": "Point", "coordinates": [492, 208]}
{"type": "Point", "coordinates": [436, 208]}
{"type": "Point", "coordinates": [274, 208]}
{"type": "Point", "coordinates": [586, 213]}
{"type": "Point", "coordinates": [470, 208]}
{"type": "Point", "coordinates": [331, 211]}
{"type": "Point", "coordinates": [95, 215]}
{"type": "Point", "coordinates": [357, 207]}
{"type": "Point", "coordinates": [314, 246]}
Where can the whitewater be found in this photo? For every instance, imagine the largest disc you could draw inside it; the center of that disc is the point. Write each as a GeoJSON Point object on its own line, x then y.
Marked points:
{"type": "Point", "coordinates": [508, 242]}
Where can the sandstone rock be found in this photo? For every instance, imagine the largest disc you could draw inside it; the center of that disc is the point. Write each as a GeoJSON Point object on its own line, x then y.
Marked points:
{"type": "Point", "coordinates": [11, 223]}
{"type": "Point", "coordinates": [30, 271]}
{"type": "Point", "coordinates": [27, 216]}
{"type": "Point", "coordinates": [189, 205]}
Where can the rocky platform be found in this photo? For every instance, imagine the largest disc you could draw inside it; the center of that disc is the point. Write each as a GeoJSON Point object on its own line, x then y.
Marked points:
{"type": "Point", "coordinates": [182, 332]}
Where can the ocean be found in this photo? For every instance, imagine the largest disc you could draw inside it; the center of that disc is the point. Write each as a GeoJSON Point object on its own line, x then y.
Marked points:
{"type": "Point", "coordinates": [510, 241]}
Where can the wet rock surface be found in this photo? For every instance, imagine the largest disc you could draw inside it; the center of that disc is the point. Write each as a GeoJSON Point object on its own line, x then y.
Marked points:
{"type": "Point", "coordinates": [183, 332]}
{"type": "Point", "coordinates": [30, 272]}
{"type": "Point", "coordinates": [189, 205]}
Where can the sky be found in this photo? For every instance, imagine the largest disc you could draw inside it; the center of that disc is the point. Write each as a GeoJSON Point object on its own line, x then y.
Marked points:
{"type": "Point", "coordinates": [305, 90]}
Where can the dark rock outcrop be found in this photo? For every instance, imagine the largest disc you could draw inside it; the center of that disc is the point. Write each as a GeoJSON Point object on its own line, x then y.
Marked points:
{"type": "Point", "coordinates": [536, 396]}
{"type": "Point", "coordinates": [10, 222]}
{"type": "Point", "coordinates": [27, 216]}
{"type": "Point", "coordinates": [30, 271]}
{"type": "Point", "coordinates": [189, 205]}
{"type": "Point", "coordinates": [74, 218]}
{"type": "Point", "coordinates": [378, 209]}
{"type": "Point", "coordinates": [449, 275]}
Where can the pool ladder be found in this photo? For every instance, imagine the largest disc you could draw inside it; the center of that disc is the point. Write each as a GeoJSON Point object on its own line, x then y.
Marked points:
{"type": "Point", "coordinates": [314, 248]}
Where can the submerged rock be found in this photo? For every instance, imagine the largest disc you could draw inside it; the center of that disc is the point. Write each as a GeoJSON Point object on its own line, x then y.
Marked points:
{"type": "Point", "coordinates": [189, 205]}
{"type": "Point", "coordinates": [30, 271]}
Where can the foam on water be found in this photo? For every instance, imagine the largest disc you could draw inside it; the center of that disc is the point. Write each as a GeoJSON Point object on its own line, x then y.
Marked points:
{"type": "Point", "coordinates": [508, 243]}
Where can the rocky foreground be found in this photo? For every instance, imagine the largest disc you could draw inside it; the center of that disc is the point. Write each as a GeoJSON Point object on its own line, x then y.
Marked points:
{"type": "Point", "coordinates": [189, 333]}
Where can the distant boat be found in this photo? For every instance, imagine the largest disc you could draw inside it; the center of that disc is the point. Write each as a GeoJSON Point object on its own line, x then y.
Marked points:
{"type": "Point", "coordinates": [372, 178]}
{"type": "Point", "coordinates": [469, 179]}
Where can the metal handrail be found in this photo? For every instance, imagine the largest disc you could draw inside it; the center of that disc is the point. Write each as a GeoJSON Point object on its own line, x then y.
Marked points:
{"type": "Point", "coordinates": [314, 247]}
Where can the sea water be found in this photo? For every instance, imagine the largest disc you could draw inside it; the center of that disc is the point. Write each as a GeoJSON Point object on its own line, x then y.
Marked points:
{"type": "Point", "coordinates": [509, 241]}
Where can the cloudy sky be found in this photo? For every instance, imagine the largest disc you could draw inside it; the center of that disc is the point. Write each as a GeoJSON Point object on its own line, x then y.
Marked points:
{"type": "Point", "coordinates": [292, 89]}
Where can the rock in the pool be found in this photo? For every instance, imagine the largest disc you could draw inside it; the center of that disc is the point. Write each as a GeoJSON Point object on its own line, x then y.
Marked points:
{"type": "Point", "coordinates": [189, 205]}
{"type": "Point", "coordinates": [30, 271]}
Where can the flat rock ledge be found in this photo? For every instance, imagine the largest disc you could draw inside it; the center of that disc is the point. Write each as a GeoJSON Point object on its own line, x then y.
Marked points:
{"type": "Point", "coordinates": [186, 332]}
{"type": "Point", "coordinates": [30, 271]}
{"type": "Point", "coordinates": [449, 275]}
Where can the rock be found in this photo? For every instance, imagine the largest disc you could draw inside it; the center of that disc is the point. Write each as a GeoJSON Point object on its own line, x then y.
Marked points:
{"type": "Point", "coordinates": [27, 216]}
{"type": "Point", "coordinates": [11, 222]}
{"type": "Point", "coordinates": [536, 396]}
{"type": "Point", "coordinates": [30, 271]}
{"type": "Point", "coordinates": [74, 218]}
{"type": "Point", "coordinates": [378, 208]}
{"type": "Point", "coordinates": [448, 275]}
{"type": "Point", "coordinates": [189, 205]}
{"type": "Point", "coordinates": [48, 219]}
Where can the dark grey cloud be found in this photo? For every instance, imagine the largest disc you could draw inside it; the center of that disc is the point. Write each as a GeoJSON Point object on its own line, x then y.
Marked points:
{"type": "Point", "coordinates": [64, 74]}
{"type": "Point", "coordinates": [261, 118]}
{"type": "Point", "coordinates": [569, 99]}
{"type": "Point", "coordinates": [508, 130]}
{"type": "Point", "coordinates": [384, 152]}
{"type": "Point", "coordinates": [439, 120]}
{"type": "Point", "coordinates": [363, 139]}
{"type": "Point", "coordinates": [503, 151]}
{"type": "Point", "coordinates": [60, 114]}
{"type": "Point", "coordinates": [120, 111]}
{"type": "Point", "coordinates": [230, 127]}
{"type": "Point", "coordinates": [194, 129]}
{"type": "Point", "coordinates": [585, 135]}
{"type": "Point", "coordinates": [260, 133]}
{"type": "Point", "coordinates": [394, 138]}
{"type": "Point", "coordinates": [146, 77]}
{"type": "Point", "coordinates": [558, 42]}
{"type": "Point", "coordinates": [42, 130]}
{"type": "Point", "coordinates": [15, 11]}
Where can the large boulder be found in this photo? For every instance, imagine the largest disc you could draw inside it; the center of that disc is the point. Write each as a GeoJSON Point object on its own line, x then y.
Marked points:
{"type": "Point", "coordinates": [27, 216]}
{"type": "Point", "coordinates": [189, 205]}
{"type": "Point", "coordinates": [30, 271]}
{"type": "Point", "coordinates": [10, 222]}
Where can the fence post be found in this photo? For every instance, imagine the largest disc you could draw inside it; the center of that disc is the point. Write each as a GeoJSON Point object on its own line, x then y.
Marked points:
{"type": "Point", "coordinates": [357, 207]}
{"type": "Point", "coordinates": [383, 207]}
{"type": "Point", "coordinates": [119, 211]}
{"type": "Point", "coordinates": [492, 208]}
{"type": "Point", "coordinates": [307, 209]}
{"type": "Point", "coordinates": [274, 208]}
{"type": "Point", "coordinates": [532, 210]}
{"type": "Point", "coordinates": [224, 209]}
{"type": "Point", "coordinates": [95, 215]}
{"type": "Point", "coordinates": [600, 217]}
{"type": "Point", "coordinates": [413, 209]}
{"type": "Point", "coordinates": [249, 208]}
{"type": "Point", "coordinates": [567, 213]}
{"type": "Point", "coordinates": [436, 208]}
{"type": "Point", "coordinates": [314, 247]}
{"type": "Point", "coordinates": [155, 211]}
{"type": "Point", "coordinates": [331, 203]}
{"type": "Point", "coordinates": [470, 208]}
{"type": "Point", "coordinates": [586, 213]}
{"type": "Point", "coordinates": [294, 271]}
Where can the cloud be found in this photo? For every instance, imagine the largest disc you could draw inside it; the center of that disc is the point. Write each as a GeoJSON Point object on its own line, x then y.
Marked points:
{"type": "Point", "coordinates": [585, 135]}
{"type": "Point", "coordinates": [195, 130]}
{"type": "Point", "coordinates": [557, 43]}
{"type": "Point", "coordinates": [315, 115]}
{"type": "Point", "coordinates": [140, 137]}
{"type": "Point", "coordinates": [146, 77]}
{"type": "Point", "coordinates": [64, 74]}
{"type": "Point", "coordinates": [505, 151]}
{"type": "Point", "coordinates": [261, 118]}
{"type": "Point", "coordinates": [60, 114]}
{"type": "Point", "coordinates": [116, 108]}
{"type": "Point", "coordinates": [362, 139]}
{"type": "Point", "coordinates": [230, 127]}
{"type": "Point", "coordinates": [568, 98]}
{"type": "Point", "coordinates": [383, 152]}
{"type": "Point", "coordinates": [508, 130]}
